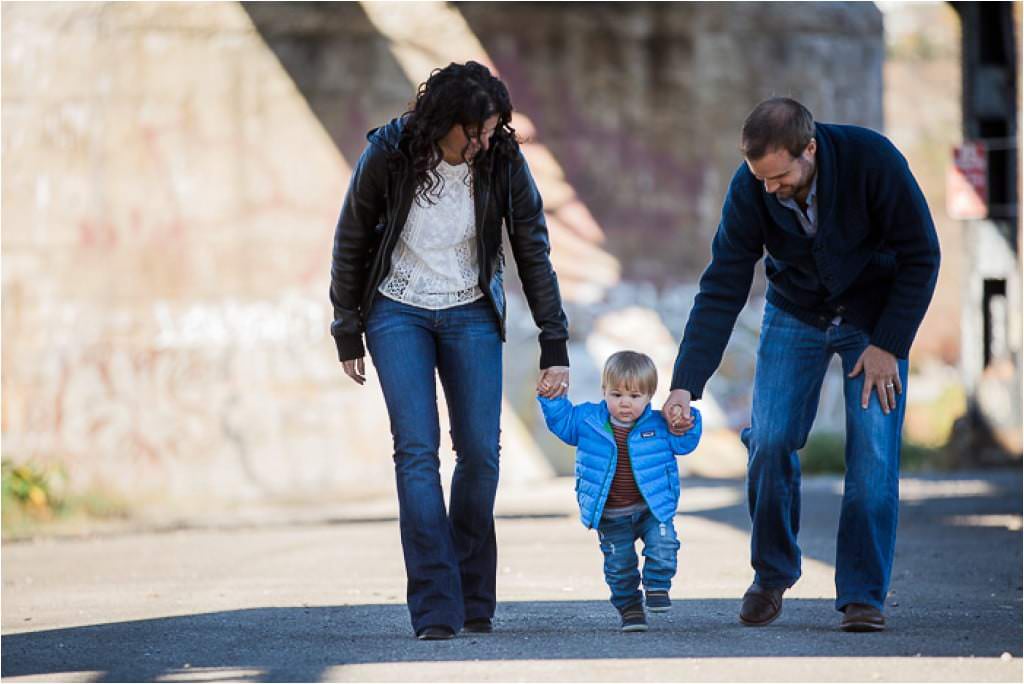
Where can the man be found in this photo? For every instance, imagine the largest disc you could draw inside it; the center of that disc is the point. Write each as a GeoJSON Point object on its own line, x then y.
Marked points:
{"type": "Point", "coordinates": [852, 262]}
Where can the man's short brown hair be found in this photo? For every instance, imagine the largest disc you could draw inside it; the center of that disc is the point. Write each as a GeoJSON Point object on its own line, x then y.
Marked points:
{"type": "Point", "coordinates": [779, 123]}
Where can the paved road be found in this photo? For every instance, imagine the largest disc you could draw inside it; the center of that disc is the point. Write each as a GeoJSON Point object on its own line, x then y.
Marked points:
{"type": "Point", "coordinates": [316, 594]}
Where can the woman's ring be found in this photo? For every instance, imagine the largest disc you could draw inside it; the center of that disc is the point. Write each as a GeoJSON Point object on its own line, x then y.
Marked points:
{"type": "Point", "coordinates": [565, 384]}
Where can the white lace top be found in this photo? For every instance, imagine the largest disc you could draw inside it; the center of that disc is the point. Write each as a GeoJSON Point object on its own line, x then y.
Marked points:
{"type": "Point", "coordinates": [434, 265]}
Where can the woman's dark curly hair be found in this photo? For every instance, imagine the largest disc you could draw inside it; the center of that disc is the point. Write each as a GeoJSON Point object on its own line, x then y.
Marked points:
{"type": "Point", "coordinates": [459, 94]}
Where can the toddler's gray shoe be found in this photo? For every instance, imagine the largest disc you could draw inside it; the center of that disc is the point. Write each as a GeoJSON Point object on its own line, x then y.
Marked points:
{"type": "Point", "coordinates": [658, 601]}
{"type": "Point", "coordinates": [633, 618]}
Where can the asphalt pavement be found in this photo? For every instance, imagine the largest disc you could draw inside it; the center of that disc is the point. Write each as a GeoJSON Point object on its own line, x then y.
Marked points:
{"type": "Point", "coordinates": [316, 593]}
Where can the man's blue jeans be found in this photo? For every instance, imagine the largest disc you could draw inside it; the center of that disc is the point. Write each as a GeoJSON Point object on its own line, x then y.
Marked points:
{"type": "Point", "coordinates": [450, 557]}
{"type": "Point", "coordinates": [618, 543]}
{"type": "Point", "coordinates": [791, 362]}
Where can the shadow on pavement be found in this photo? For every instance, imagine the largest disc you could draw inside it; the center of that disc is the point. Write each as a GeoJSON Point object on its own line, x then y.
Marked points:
{"type": "Point", "coordinates": [300, 644]}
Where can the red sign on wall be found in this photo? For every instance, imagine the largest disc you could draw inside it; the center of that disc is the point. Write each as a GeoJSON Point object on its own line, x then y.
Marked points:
{"type": "Point", "coordinates": [967, 182]}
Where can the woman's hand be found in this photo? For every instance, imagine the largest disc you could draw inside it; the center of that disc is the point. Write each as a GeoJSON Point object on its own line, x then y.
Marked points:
{"type": "Point", "coordinates": [354, 369]}
{"type": "Point", "coordinates": [553, 382]}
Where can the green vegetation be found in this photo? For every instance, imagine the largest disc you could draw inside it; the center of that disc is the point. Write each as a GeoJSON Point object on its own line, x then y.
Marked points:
{"type": "Point", "coordinates": [35, 499]}
{"type": "Point", "coordinates": [824, 453]}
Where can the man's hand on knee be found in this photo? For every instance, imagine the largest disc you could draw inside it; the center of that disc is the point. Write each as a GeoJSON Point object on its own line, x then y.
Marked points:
{"type": "Point", "coordinates": [882, 374]}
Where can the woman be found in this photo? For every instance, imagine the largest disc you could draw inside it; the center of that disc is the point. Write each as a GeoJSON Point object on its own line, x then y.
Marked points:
{"type": "Point", "coordinates": [417, 269]}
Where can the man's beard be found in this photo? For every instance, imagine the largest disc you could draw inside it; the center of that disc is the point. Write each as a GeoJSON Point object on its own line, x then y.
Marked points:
{"type": "Point", "coordinates": [804, 186]}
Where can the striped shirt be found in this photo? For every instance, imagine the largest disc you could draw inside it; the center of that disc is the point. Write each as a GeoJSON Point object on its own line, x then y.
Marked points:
{"type": "Point", "coordinates": [624, 491]}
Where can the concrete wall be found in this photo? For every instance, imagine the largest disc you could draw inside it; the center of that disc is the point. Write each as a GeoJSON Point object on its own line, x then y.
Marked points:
{"type": "Point", "coordinates": [167, 199]}
{"type": "Point", "coordinates": [643, 102]}
{"type": "Point", "coordinates": [172, 174]}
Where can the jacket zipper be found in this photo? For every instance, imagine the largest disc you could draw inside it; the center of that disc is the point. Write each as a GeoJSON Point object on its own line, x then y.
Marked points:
{"type": "Point", "coordinates": [385, 252]}
{"type": "Point", "coordinates": [632, 468]}
{"type": "Point", "coordinates": [604, 478]}
{"type": "Point", "coordinates": [481, 255]}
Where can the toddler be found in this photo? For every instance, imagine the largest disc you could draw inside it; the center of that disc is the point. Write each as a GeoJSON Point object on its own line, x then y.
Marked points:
{"type": "Point", "coordinates": [627, 480]}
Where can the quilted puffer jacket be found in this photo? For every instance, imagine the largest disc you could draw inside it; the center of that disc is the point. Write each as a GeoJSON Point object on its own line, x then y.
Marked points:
{"type": "Point", "coordinates": [652, 450]}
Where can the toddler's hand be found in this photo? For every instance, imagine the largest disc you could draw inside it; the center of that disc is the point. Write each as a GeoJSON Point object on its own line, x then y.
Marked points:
{"type": "Point", "coordinates": [677, 412]}
{"type": "Point", "coordinates": [553, 382]}
{"type": "Point", "coordinates": [678, 422]}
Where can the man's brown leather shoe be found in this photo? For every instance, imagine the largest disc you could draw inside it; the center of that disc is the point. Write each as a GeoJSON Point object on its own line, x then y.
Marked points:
{"type": "Point", "coordinates": [858, 617]}
{"type": "Point", "coordinates": [760, 606]}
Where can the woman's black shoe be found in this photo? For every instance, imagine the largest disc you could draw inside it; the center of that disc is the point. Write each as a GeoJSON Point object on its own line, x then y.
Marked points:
{"type": "Point", "coordinates": [435, 633]}
{"type": "Point", "coordinates": [478, 626]}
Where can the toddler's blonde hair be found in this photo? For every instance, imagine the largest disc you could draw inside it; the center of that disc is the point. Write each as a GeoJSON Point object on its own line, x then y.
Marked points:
{"type": "Point", "coordinates": [630, 370]}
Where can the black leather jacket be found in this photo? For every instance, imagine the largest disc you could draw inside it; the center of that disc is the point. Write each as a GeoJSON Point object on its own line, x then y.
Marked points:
{"type": "Point", "coordinates": [379, 197]}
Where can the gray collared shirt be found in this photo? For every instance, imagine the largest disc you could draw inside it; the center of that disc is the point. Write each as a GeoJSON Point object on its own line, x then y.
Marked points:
{"type": "Point", "coordinates": [808, 221]}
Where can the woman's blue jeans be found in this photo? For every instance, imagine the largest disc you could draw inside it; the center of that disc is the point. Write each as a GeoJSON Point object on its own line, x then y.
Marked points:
{"type": "Point", "coordinates": [450, 556]}
{"type": "Point", "coordinates": [791, 362]}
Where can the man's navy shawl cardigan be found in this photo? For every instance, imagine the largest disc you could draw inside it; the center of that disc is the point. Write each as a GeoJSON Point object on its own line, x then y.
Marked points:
{"type": "Point", "coordinates": [874, 259]}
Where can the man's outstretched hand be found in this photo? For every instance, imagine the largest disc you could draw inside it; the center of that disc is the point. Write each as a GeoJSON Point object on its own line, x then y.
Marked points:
{"type": "Point", "coordinates": [676, 411]}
